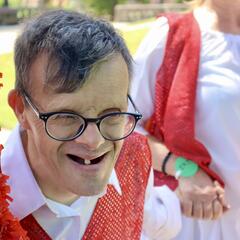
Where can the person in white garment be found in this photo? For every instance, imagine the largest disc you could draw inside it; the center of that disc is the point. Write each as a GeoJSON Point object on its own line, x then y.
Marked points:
{"type": "Point", "coordinates": [165, 77]}
{"type": "Point", "coordinates": [76, 169]}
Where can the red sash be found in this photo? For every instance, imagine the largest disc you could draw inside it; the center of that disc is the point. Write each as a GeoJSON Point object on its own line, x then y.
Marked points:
{"type": "Point", "coordinates": [175, 96]}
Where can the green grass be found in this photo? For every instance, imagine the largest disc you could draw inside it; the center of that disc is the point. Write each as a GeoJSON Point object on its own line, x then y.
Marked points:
{"type": "Point", "coordinates": [142, 21]}
{"type": "Point", "coordinates": [7, 118]}
{"type": "Point", "coordinates": [133, 38]}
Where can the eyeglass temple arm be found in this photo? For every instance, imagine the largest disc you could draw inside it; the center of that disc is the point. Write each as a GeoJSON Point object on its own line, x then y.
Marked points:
{"type": "Point", "coordinates": [135, 107]}
{"type": "Point", "coordinates": [30, 103]}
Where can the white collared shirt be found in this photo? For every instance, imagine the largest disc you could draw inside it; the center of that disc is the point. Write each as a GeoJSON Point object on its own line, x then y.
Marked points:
{"type": "Point", "coordinates": [161, 209]}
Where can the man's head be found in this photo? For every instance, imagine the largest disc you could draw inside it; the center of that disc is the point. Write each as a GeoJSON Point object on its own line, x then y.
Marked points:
{"type": "Point", "coordinates": [72, 43]}
{"type": "Point", "coordinates": [73, 69]}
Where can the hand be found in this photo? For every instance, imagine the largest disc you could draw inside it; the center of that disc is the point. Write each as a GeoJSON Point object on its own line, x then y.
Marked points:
{"type": "Point", "coordinates": [201, 198]}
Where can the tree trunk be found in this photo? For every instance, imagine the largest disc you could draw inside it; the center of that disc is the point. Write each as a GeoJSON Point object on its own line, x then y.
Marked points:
{"type": "Point", "coordinates": [5, 3]}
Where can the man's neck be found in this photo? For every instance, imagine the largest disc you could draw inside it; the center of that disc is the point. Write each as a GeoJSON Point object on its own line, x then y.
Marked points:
{"type": "Point", "coordinates": [225, 15]}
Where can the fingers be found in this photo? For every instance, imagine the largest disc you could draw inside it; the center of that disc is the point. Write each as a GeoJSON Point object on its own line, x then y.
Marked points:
{"type": "Point", "coordinates": [208, 211]}
{"type": "Point", "coordinates": [202, 202]}
{"type": "Point", "coordinates": [213, 210]}
{"type": "Point", "coordinates": [217, 209]}
{"type": "Point", "coordinates": [203, 210]}
{"type": "Point", "coordinates": [218, 187]}
{"type": "Point", "coordinates": [224, 204]}
{"type": "Point", "coordinates": [197, 210]}
{"type": "Point", "coordinates": [187, 208]}
{"type": "Point", "coordinates": [221, 196]}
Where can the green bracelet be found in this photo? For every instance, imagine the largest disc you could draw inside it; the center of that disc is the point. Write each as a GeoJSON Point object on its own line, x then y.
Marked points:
{"type": "Point", "coordinates": [185, 167]}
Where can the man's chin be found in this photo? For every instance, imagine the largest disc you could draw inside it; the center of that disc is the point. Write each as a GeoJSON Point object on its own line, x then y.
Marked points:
{"type": "Point", "coordinates": [93, 189]}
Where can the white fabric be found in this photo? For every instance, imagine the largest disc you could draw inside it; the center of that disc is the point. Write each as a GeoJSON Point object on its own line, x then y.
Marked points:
{"type": "Point", "coordinates": [162, 219]}
{"type": "Point", "coordinates": [217, 114]}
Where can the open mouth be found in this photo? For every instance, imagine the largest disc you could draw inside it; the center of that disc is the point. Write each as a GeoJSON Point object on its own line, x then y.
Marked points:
{"type": "Point", "coordinates": [84, 161]}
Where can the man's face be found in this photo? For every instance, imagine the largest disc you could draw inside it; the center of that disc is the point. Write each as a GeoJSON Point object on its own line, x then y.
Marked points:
{"type": "Point", "coordinates": [54, 163]}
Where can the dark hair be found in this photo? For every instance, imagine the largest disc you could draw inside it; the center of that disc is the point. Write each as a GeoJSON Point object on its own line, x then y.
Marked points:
{"type": "Point", "coordinates": [74, 43]}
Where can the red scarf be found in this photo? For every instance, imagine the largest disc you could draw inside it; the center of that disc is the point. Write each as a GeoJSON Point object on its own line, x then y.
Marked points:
{"type": "Point", "coordinates": [10, 228]}
{"type": "Point", "coordinates": [175, 97]}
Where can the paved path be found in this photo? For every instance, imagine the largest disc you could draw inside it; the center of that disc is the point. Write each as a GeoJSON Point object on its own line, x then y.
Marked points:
{"type": "Point", "coordinates": [8, 36]}
{"type": "Point", "coordinates": [4, 133]}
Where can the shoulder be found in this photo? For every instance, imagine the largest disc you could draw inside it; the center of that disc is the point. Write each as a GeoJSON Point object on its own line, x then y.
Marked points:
{"type": "Point", "coordinates": [136, 139]}
{"type": "Point", "coordinates": [137, 148]}
{"type": "Point", "coordinates": [134, 161]}
{"type": "Point", "coordinates": [154, 39]}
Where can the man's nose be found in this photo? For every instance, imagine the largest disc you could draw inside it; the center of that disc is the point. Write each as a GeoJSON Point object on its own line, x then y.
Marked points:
{"type": "Point", "coordinates": [91, 137]}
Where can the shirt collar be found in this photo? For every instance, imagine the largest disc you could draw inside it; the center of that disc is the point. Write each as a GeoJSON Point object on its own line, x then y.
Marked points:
{"type": "Point", "coordinates": [75, 208]}
{"type": "Point", "coordinates": [26, 194]}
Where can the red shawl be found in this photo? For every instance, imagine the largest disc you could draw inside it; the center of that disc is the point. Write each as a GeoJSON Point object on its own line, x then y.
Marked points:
{"type": "Point", "coordinates": [10, 228]}
{"type": "Point", "coordinates": [174, 111]}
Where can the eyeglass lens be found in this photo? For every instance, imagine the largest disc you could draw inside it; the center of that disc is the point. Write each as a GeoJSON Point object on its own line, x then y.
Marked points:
{"type": "Point", "coordinates": [63, 126]}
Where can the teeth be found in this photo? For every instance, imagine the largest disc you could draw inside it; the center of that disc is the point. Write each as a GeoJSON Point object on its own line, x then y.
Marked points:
{"type": "Point", "coordinates": [87, 162]}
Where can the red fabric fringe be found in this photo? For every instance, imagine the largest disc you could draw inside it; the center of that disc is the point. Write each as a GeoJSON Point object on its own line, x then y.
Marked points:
{"type": "Point", "coordinates": [10, 228]}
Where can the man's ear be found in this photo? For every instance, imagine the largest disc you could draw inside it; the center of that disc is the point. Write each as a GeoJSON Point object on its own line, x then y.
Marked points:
{"type": "Point", "coordinates": [15, 101]}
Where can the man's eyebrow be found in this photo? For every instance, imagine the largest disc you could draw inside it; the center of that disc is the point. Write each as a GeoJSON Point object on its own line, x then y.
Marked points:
{"type": "Point", "coordinates": [64, 109]}
{"type": "Point", "coordinates": [109, 110]}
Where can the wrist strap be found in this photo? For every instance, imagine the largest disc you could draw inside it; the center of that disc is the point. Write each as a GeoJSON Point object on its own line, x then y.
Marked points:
{"type": "Point", "coordinates": [185, 167]}
{"type": "Point", "coordinates": [166, 158]}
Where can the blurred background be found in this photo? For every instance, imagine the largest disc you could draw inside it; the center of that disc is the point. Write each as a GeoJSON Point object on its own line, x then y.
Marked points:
{"type": "Point", "coordinates": [133, 18]}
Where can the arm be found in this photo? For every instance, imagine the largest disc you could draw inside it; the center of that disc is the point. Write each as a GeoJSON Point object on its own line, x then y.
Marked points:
{"type": "Point", "coordinates": [200, 197]}
{"type": "Point", "coordinates": [147, 62]}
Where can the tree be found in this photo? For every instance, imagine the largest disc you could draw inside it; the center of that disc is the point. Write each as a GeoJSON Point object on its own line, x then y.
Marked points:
{"type": "Point", "coordinates": [103, 7]}
{"type": "Point", "coordinates": [106, 7]}
{"type": "Point", "coordinates": [5, 3]}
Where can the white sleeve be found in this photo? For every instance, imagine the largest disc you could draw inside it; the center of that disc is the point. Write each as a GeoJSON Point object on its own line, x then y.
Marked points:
{"type": "Point", "coordinates": [162, 214]}
{"type": "Point", "coordinates": [147, 61]}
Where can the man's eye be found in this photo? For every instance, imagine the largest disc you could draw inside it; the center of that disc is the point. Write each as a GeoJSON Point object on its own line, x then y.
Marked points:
{"type": "Point", "coordinates": [114, 119]}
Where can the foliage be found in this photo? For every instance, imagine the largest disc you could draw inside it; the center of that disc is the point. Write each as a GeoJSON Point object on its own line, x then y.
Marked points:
{"type": "Point", "coordinates": [143, 1]}
{"type": "Point", "coordinates": [183, 1]}
{"type": "Point", "coordinates": [10, 3]}
{"type": "Point", "coordinates": [106, 7]}
{"type": "Point", "coordinates": [103, 7]}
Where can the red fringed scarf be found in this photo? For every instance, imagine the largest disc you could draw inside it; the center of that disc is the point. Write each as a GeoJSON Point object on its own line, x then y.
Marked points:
{"type": "Point", "coordinates": [175, 96]}
{"type": "Point", "coordinates": [10, 228]}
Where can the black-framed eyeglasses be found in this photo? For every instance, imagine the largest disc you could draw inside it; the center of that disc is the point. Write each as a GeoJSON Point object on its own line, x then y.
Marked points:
{"type": "Point", "coordinates": [66, 126]}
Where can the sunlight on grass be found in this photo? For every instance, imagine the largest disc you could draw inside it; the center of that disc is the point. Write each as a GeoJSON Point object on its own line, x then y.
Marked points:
{"type": "Point", "coordinates": [7, 119]}
{"type": "Point", "coordinates": [142, 21]}
{"type": "Point", "coordinates": [133, 38]}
